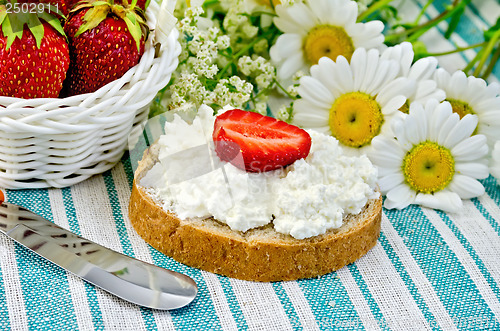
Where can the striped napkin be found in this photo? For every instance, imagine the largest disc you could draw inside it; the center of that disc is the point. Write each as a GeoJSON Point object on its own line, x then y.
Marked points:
{"type": "Point", "coordinates": [429, 271]}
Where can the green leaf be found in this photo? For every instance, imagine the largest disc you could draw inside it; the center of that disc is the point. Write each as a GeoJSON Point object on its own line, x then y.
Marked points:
{"type": "Point", "coordinates": [93, 17]}
{"type": "Point", "coordinates": [455, 19]}
{"type": "Point", "coordinates": [134, 28]}
{"type": "Point", "coordinates": [53, 9]}
{"type": "Point", "coordinates": [11, 30]}
{"type": "Point", "coordinates": [53, 21]}
{"type": "Point", "coordinates": [488, 34]}
{"type": "Point", "coordinates": [100, 3]}
{"type": "Point", "coordinates": [3, 14]}
{"type": "Point", "coordinates": [36, 28]}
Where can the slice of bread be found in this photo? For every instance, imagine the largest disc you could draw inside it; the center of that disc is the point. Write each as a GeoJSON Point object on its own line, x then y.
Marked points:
{"type": "Point", "coordinates": [260, 254]}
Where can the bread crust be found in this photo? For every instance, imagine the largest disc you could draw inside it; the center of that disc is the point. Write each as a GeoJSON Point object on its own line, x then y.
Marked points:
{"type": "Point", "coordinates": [259, 254]}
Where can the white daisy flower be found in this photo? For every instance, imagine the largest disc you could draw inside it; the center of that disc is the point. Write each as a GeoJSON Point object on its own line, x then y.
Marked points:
{"type": "Point", "coordinates": [353, 102]}
{"type": "Point", "coordinates": [422, 71]}
{"type": "Point", "coordinates": [471, 95]}
{"type": "Point", "coordinates": [433, 161]}
{"type": "Point", "coordinates": [495, 161]}
{"type": "Point", "coordinates": [318, 28]}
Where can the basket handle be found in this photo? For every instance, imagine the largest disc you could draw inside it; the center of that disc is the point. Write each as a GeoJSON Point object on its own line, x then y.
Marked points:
{"type": "Point", "coordinates": [165, 21]}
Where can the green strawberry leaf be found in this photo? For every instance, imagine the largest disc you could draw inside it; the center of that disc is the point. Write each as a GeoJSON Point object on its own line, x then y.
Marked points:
{"type": "Point", "coordinates": [3, 13]}
{"type": "Point", "coordinates": [134, 28]}
{"type": "Point", "coordinates": [55, 10]}
{"type": "Point", "coordinates": [36, 29]}
{"type": "Point", "coordinates": [53, 21]}
{"type": "Point", "coordinates": [92, 18]}
{"type": "Point", "coordinates": [100, 3]}
{"type": "Point", "coordinates": [11, 30]}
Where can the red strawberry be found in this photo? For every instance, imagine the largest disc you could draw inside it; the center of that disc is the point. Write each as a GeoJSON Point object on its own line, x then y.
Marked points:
{"type": "Point", "coordinates": [264, 142]}
{"type": "Point", "coordinates": [104, 43]}
{"type": "Point", "coordinates": [34, 55]}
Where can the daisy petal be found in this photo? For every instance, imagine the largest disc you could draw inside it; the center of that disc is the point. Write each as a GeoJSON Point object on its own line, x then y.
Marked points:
{"type": "Point", "coordinates": [400, 196]}
{"type": "Point", "coordinates": [344, 74]}
{"type": "Point", "coordinates": [309, 120]}
{"type": "Point", "coordinates": [444, 200]}
{"type": "Point", "coordinates": [458, 84]}
{"type": "Point", "coordinates": [326, 69]}
{"type": "Point", "coordinates": [470, 149]}
{"type": "Point", "coordinates": [370, 70]}
{"type": "Point", "coordinates": [389, 182]}
{"type": "Point", "coordinates": [472, 169]}
{"type": "Point", "coordinates": [448, 125]}
{"type": "Point", "coordinates": [358, 67]}
{"type": "Point", "coordinates": [288, 43]}
{"type": "Point", "coordinates": [423, 69]}
{"type": "Point", "coordinates": [303, 15]}
{"type": "Point", "coordinates": [318, 8]}
{"type": "Point", "coordinates": [466, 187]}
{"type": "Point", "coordinates": [462, 130]}
{"type": "Point", "coordinates": [315, 92]}
{"type": "Point", "coordinates": [291, 65]}
{"type": "Point", "coordinates": [399, 86]}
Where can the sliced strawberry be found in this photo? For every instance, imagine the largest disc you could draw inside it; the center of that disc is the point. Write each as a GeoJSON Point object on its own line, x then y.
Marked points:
{"type": "Point", "coordinates": [264, 142]}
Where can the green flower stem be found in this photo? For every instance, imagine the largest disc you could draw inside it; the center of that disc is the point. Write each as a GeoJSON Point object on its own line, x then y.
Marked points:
{"type": "Point", "coordinates": [376, 5]}
{"type": "Point", "coordinates": [284, 90]}
{"type": "Point", "coordinates": [422, 12]}
{"type": "Point", "coordinates": [457, 50]}
{"type": "Point", "coordinates": [487, 51]}
{"type": "Point", "coordinates": [493, 62]}
{"type": "Point", "coordinates": [472, 62]}
{"type": "Point", "coordinates": [417, 31]}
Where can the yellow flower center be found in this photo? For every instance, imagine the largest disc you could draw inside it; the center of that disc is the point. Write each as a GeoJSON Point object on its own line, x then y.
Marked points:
{"type": "Point", "coordinates": [269, 3]}
{"type": "Point", "coordinates": [428, 167]}
{"type": "Point", "coordinates": [327, 40]}
{"type": "Point", "coordinates": [460, 107]}
{"type": "Point", "coordinates": [406, 107]}
{"type": "Point", "coordinates": [355, 118]}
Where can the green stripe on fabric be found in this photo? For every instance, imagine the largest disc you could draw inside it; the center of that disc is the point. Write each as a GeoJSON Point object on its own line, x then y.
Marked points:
{"type": "Point", "coordinates": [232, 301]}
{"type": "Point", "coordinates": [466, 29]}
{"type": "Point", "coordinates": [492, 187]}
{"type": "Point", "coordinates": [377, 313]}
{"type": "Point", "coordinates": [479, 206]}
{"type": "Point", "coordinates": [468, 247]}
{"type": "Point", "coordinates": [44, 286]}
{"type": "Point", "coordinates": [330, 303]}
{"type": "Point", "coordinates": [412, 288]}
{"type": "Point", "coordinates": [189, 317]}
{"type": "Point", "coordinates": [438, 262]}
{"type": "Point", "coordinates": [288, 306]}
{"type": "Point", "coordinates": [147, 314]}
{"type": "Point", "coordinates": [90, 290]}
{"type": "Point", "coordinates": [199, 314]}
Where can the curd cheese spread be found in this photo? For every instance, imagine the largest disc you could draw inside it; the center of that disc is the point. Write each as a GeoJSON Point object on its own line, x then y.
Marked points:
{"type": "Point", "coordinates": [305, 199]}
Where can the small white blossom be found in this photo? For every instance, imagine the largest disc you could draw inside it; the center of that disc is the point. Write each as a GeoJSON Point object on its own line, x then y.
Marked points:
{"type": "Point", "coordinates": [261, 108]}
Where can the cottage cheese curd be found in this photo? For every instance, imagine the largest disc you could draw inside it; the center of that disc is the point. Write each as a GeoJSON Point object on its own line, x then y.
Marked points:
{"type": "Point", "coordinates": [306, 199]}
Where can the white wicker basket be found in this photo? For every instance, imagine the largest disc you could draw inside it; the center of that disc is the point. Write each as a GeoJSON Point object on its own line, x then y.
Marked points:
{"type": "Point", "coordinates": [60, 142]}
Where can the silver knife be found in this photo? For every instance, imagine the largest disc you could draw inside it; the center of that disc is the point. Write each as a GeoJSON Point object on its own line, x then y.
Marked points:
{"type": "Point", "coordinates": [130, 279]}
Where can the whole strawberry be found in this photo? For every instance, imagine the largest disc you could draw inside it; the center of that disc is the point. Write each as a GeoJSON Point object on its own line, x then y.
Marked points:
{"type": "Point", "coordinates": [105, 40]}
{"type": "Point", "coordinates": [34, 55]}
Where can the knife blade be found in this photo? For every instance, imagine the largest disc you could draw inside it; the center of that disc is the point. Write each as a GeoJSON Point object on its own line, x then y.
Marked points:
{"type": "Point", "coordinates": [130, 279]}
